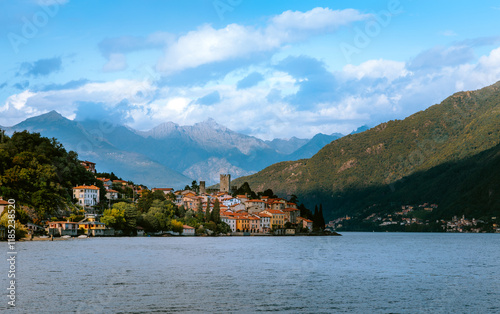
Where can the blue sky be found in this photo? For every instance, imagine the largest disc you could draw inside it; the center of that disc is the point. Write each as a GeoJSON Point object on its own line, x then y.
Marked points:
{"type": "Point", "coordinates": [271, 69]}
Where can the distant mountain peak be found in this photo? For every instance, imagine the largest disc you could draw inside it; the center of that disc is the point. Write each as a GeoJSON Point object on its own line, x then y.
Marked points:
{"type": "Point", "coordinates": [211, 123]}
{"type": "Point", "coordinates": [46, 117]}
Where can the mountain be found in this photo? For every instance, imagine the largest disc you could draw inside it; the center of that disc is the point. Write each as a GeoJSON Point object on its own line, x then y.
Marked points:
{"type": "Point", "coordinates": [361, 129]}
{"type": "Point", "coordinates": [289, 146]}
{"type": "Point", "coordinates": [313, 146]}
{"type": "Point", "coordinates": [91, 144]}
{"type": "Point", "coordinates": [169, 154]}
{"type": "Point", "coordinates": [342, 173]}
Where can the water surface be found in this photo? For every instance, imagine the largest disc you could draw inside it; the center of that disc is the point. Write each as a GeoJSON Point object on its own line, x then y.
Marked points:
{"type": "Point", "coordinates": [358, 272]}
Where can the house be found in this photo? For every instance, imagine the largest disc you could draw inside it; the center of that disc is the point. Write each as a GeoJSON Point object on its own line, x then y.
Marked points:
{"type": "Point", "coordinates": [91, 226]}
{"type": "Point", "coordinates": [255, 226]}
{"type": "Point", "coordinates": [265, 221]}
{"type": "Point", "coordinates": [32, 228]}
{"type": "Point", "coordinates": [3, 205]}
{"type": "Point", "coordinates": [289, 231]}
{"type": "Point", "coordinates": [229, 220]}
{"type": "Point", "coordinates": [305, 223]}
{"type": "Point", "coordinates": [164, 190]}
{"type": "Point", "coordinates": [242, 198]}
{"type": "Point", "coordinates": [90, 166]}
{"type": "Point", "coordinates": [242, 223]}
{"type": "Point", "coordinates": [188, 230]}
{"type": "Point", "coordinates": [230, 202]}
{"type": "Point", "coordinates": [140, 231]}
{"type": "Point", "coordinates": [191, 202]}
{"type": "Point", "coordinates": [237, 207]}
{"type": "Point", "coordinates": [107, 182]}
{"type": "Point", "coordinates": [87, 195]}
{"type": "Point", "coordinates": [277, 219]}
{"type": "Point", "coordinates": [291, 214]}
{"type": "Point", "coordinates": [112, 194]}
{"type": "Point", "coordinates": [62, 228]}
{"type": "Point", "coordinates": [255, 206]}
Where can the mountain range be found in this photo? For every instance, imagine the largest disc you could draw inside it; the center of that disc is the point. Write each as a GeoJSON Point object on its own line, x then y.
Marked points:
{"type": "Point", "coordinates": [448, 154]}
{"type": "Point", "coordinates": [170, 155]}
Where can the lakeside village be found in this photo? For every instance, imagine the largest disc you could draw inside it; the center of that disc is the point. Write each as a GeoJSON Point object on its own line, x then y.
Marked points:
{"type": "Point", "coordinates": [413, 219]}
{"type": "Point", "coordinates": [134, 210]}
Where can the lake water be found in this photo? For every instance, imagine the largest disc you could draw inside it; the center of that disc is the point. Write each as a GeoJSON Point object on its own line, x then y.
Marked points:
{"type": "Point", "coordinates": [358, 272]}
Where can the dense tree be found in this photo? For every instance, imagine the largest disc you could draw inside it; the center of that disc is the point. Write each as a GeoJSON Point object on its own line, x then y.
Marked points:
{"type": "Point", "coordinates": [245, 189]}
{"type": "Point", "coordinates": [207, 213]}
{"type": "Point", "coordinates": [114, 217]}
{"type": "Point", "coordinates": [39, 173]}
{"type": "Point", "coordinates": [215, 217]}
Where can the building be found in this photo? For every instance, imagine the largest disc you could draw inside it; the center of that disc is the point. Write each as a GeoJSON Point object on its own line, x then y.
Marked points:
{"type": "Point", "coordinates": [107, 182]}
{"type": "Point", "coordinates": [3, 205]}
{"type": "Point", "coordinates": [305, 223]}
{"type": "Point", "coordinates": [90, 166]}
{"type": "Point", "coordinates": [265, 221]}
{"type": "Point", "coordinates": [203, 189]}
{"type": "Point", "coordinates": [229, 220]}
{"type": "Point", "coordinates": [188, 230]}
{"type": "Point", "coordinates": [255, 226]}
{"type": "Point", "coordinates": [291, 215]}
{"type": "Point", "coordinates": [277, 219]}
{"type": "Point", "coordinates": [62, 228]}
{"type": "Point", "coordinates": [92, 227]}
{"type": "Point", "coordinates": [87, 195]}
{"type": "Point", "coordinates": [255, 206]}
{"type": "Point", "coordinates": [165, 191]}
{"type": "Point", "coordinates": [112, 194]}
{"type": "Point", "coordinates": [225, 183]}
{"type": "Point", "coordinates": [230, 202]}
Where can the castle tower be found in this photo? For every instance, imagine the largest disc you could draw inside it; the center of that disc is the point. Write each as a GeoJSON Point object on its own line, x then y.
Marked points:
{"type": "Point", "coordinates": [203, 190]}
{"type": "Point", "coordinates": [225, 183]}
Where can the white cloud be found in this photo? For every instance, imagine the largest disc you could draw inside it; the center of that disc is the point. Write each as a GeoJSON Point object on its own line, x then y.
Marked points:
{"type": "Point", "coordinates": [206, 44]}
{"type": "Point", "coordinates": [377, 69]}
{"type": "Point", "coordinates": [317, 19]}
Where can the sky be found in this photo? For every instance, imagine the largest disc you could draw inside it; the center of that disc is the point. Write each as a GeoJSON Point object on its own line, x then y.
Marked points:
{"type": "Point", "coordinates": [270, 69]}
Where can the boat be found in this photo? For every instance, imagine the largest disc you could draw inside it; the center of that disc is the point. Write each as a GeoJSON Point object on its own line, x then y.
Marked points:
{"type": "Point", "coordinates": [82, 236]}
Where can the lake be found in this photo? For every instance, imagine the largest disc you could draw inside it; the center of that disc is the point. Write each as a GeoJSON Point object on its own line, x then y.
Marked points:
{"type": "Point", "coordinates": [358, 272]}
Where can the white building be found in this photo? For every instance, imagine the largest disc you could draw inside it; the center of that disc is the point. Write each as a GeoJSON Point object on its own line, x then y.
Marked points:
{"type": "Point", "coordinates": [230, 202]}
{"type": "Point", "coordinates": [265, 221]}
{"type": "Point", "coordinates": [87, 195]}
{"type": "Point", "coordinates": [231, 222]}
{"type": "Point", "coordinates": [188, 230]}
{"type": "Point", "coordinates": [112, 194]}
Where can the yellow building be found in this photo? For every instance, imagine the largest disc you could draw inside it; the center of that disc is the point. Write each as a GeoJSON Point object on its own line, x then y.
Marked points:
{"type": "Point", "coordinates": [242, 223]}
{"type": "Point", "coordinates": [277, 219]}
{"type": "Point", "coordinates": [92, 226]}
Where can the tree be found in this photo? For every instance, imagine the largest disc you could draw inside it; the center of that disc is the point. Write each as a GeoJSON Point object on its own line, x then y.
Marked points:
{"type": "Point", "coordinates": [114, 217]}
{"type": "Point", "coordinates": [321, 218]}
{"type": "Point", "coordinates": [194, 186]}
{"type": "Point", "coordinates": [315, 218]}
{"type": "Point", "coordinates": [294, 199]}
{"type": "Point", "coordinates": [216, 212]}
{"type": "Point", "coordinates": [177, 226]}
{"type": "Point", "coordinates": [207, 213]}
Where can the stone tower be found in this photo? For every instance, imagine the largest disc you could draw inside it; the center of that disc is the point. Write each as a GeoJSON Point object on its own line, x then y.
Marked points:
{"type": "Point", "coordinates": [203, 190]}
{"type": "Point", "coordinates": [225, 183]}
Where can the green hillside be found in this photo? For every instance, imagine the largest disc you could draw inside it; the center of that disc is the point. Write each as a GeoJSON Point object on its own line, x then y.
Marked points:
{"type": "Point", "coordinates": [345, 171]}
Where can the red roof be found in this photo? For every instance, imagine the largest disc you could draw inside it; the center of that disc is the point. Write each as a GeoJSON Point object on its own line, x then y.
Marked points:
{"type": "Point", "coordinates": [290, 209]}
{"type": "Point", "coordinates": [187, 227]}
{"type": "Point", "coordinates": [4, 202]}
{"type": "Point", "coordinates": [274, 211]}
{"type": "Point", "coordinates": [86, 187]}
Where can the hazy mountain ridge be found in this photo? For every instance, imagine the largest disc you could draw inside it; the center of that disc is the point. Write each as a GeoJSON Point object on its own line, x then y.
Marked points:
{"type": "Point", "coordinates": [462, 126]}
{"type": "Point", "coordinates": [175, 154]}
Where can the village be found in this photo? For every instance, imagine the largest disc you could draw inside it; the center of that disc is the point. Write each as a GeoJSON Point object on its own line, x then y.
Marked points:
{"type": "Point", "coordinates": [412, 218]}
{"type": "Point", "coordinates": [243, 215]}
